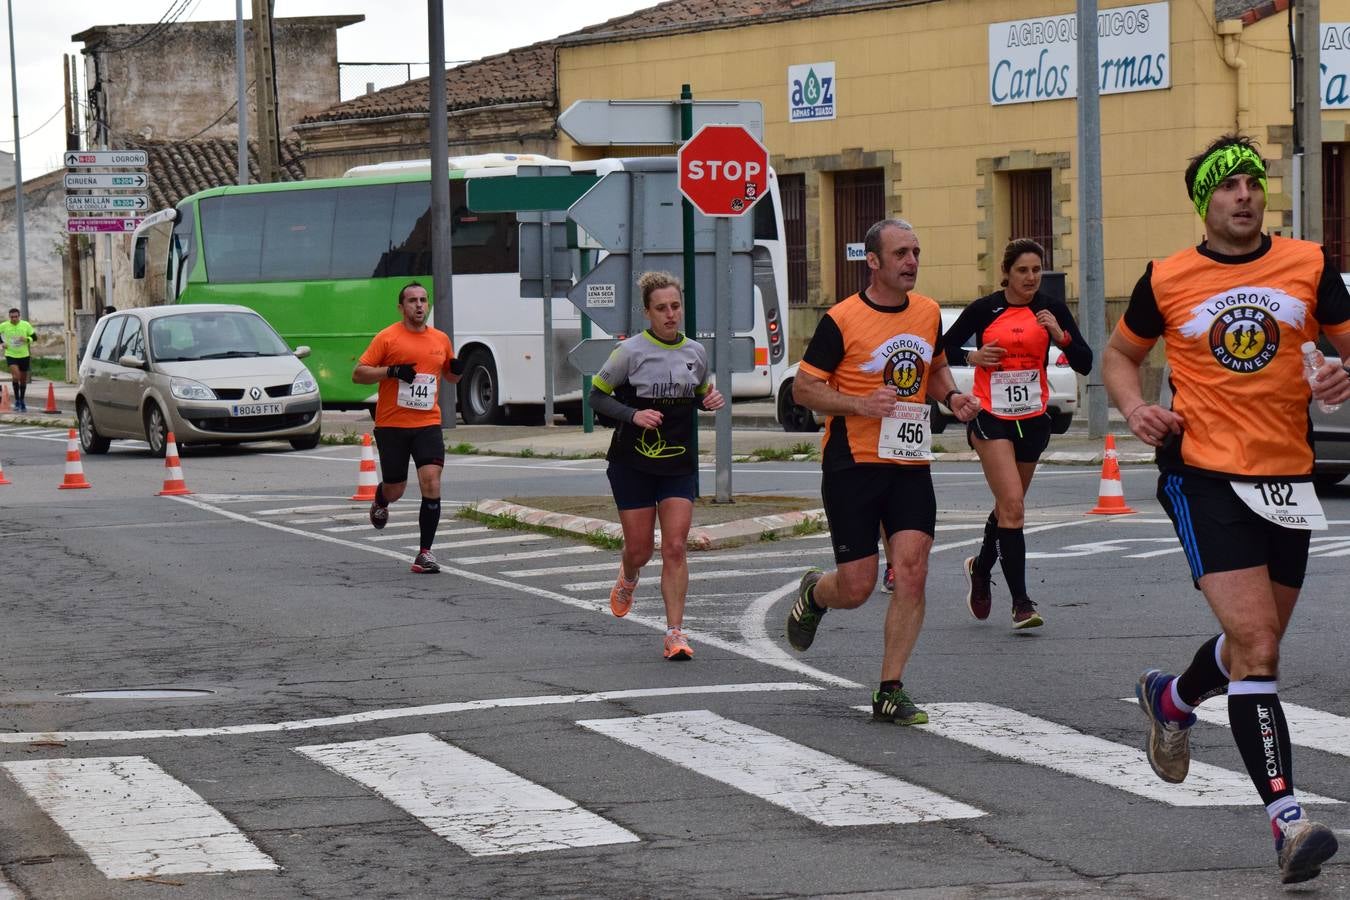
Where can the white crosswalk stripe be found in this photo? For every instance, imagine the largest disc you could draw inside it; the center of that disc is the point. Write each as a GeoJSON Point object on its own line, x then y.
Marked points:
{"type": "Point", "coordinates": [1016, 735]}
{"type": "Point", "coordinates": [465, 799]}
{"type": "Point", "coordinates": [823, 788]}
{"type": "Point", "coordinates": [134, 819]}
{"type": "Point", "coordinates": [695, 576]}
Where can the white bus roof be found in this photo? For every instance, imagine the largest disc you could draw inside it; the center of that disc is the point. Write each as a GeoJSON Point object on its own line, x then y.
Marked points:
{"type": "Point", "coordinates": [477, 161]}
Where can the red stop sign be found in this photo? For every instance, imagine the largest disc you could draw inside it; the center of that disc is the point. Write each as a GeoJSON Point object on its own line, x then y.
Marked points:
{"type": "Point", "coordinates": [723, 170]}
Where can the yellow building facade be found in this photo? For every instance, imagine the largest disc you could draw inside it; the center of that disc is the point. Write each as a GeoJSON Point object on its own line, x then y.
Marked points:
{"type": "Point", "coordinates": [921, 107]}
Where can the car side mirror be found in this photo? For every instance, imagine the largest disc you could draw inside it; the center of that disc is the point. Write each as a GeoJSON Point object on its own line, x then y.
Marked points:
{"type": "Point", "coordinates": [302, 351]}
{"type": "Point", "coordinates": [131, 362]}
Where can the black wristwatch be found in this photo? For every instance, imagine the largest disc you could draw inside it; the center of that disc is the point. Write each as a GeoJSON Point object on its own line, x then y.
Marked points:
{"type": "Point", "coordinates": [947, 400]}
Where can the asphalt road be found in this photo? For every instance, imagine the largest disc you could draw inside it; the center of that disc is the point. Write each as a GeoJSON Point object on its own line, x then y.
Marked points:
{"type": "Point", "coordinates": [494, 732]}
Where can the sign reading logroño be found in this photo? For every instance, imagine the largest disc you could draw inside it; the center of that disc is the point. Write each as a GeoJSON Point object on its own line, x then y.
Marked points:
{"type": "Point", "coordinates": [1037, 59]}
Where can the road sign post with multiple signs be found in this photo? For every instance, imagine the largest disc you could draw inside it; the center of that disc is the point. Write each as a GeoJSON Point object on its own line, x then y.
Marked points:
{"type": "Point", "coordinates": [723, 171]}
{"type": "Point", "coordinates": [110, 198]}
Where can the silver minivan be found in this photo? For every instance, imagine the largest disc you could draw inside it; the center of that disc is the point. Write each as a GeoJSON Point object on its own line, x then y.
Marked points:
{"type": "Point", "coordinates": [209, 373]}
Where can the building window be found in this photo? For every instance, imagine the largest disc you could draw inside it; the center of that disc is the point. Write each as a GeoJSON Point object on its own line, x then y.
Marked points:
{"type": "Point", "coordinates": [859, 202]}
{"type": "Point", "coordinates": [1031, 208]}
{"type": "Point", "coordinates": [1335, 228]}
{"type": "Point", "coordinates": [792, 191]}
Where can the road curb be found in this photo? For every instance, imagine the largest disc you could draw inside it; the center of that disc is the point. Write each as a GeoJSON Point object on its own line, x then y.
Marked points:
{"type": "Point", "coordinates": [701, 537]}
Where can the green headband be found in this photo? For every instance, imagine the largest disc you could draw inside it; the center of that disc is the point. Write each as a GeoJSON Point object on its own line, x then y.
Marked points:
{"type": "Point", "coordinates": [1228, 160]}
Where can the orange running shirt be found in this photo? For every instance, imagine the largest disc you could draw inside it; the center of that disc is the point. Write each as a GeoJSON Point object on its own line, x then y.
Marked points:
{"type": "Point", "coordinates": [430, 353]}
{"type": "Point", "coordinates": [1232, 327]}
{"type": "Point", "coordinates": [857, 348]}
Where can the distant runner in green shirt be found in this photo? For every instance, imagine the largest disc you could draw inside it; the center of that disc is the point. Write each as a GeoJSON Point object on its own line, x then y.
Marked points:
{"type": "Point", "coordinates": [17, 336]}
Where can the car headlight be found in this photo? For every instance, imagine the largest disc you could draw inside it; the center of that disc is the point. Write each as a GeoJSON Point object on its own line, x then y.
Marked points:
{"type": "Point", "coordinates": [187, 389]}
{"type": "Point", "coordinates": [304, 383]}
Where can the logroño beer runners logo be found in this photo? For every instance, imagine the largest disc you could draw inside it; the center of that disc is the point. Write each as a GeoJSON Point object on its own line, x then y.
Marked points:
{"type": "Point", "coordinates": [1242, 326]}
{"type": "Point", "coordinates": [902, 361]}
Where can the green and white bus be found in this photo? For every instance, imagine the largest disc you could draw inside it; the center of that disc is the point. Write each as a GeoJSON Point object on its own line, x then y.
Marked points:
{"type": "Point", "coordinates": [323, 262]}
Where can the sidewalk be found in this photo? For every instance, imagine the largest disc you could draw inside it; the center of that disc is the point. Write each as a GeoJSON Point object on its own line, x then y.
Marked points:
{"type": "Point", "coordinates": [755, 436]}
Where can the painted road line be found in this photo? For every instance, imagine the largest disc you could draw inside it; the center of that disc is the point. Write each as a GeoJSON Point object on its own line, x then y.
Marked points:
{"type": "Point", "coordinates": [503, 539]}
{"type": "Point", "coordinates": [301, 510]}
{"type": "Point", "coordinates": [405, 712]}
{"type": "Point", "coordinates": [395, 535]}
{"type": "Point", "coordinates": [823, 788]}
{"type": "Point", "coordinates": [338, 529]}
{"type": "Point", "coordinates": [1035, 529]}
{"type": "Point", "coordinates": [654, 565]}
{"type": "Point", "coordinates": [695, 576]}
{"type": "Point", "coordinates": [1308, 727]}
{"type": "Point", "coordinates": [550, 553]}
{"type": "Point", "coordinates": [1015, 735]}
{"type": "Point", "coordinates": [472, 803]}
{"type": "Point", "coordinates": [352, 516]}
{"type": "Point", "coordinates": [135, 820]}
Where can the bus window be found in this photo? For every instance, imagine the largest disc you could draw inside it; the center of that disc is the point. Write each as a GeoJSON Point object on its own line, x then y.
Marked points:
{"type": "Point", "coordinates": [232, 234]}
{"type": "Point", "coordinates": [483, 243]}
{"type": "Point", "coordinates": [361, 230]}
{"type": "Point", "coordinates": [298, 236]}
{"type": "Point", "coordinates": [766, 228]}
{"type": "Point", "coordinates": [409, 239]}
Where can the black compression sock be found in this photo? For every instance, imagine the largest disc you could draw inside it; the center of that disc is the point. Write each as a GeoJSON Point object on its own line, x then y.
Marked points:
{"type": "Point", "coordinates": [379, 495]}
{"type": "Point", "coordinates": [1012, 556]}
{"type": "Point", "coordinates": [428, 517]}
{"type": "Point", "coordinates": [1261, 735]}
{"type": "Point", "coordinates": [988, 555]}
{"type": "Point", "coordinates": [1203, 678]}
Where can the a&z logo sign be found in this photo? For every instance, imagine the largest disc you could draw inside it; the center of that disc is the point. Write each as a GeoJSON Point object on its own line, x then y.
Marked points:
{"type": "Point", "coordinates": [811, 92]}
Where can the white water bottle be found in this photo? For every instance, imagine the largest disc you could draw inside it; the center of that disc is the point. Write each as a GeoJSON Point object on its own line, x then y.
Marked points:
{"type": "Point", "coordinates": [1312, 361]}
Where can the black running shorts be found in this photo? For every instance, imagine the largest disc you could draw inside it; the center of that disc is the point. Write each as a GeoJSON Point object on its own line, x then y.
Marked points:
{"type": "Point", "coordinates": [1221, 534]}
{"type": "Point", "coordinates": [22, 363]}
{"type": "Point", "coordinates": [862, 498]}
{"type": "Point", "coordinates": [1029, 437]}
{"type": "Point", "coordinates": [635, 489]}
{"type": "Point", "coordinates": [424, 446]}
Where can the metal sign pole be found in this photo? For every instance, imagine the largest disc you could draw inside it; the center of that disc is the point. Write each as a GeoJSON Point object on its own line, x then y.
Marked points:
{"type": "Point", "coordinates": [546, 279]}
{"type": "Point", "coordinates": [722, 354]}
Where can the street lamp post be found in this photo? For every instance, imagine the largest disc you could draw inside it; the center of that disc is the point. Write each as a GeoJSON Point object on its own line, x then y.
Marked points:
{"type": "Point", "coordinates": [18, 172]}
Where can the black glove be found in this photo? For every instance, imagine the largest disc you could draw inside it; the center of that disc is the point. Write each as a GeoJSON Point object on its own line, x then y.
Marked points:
{"type": "Point", "coordinates": [404, 372]}
{"type": "Point", "coordinates": [456, 366]}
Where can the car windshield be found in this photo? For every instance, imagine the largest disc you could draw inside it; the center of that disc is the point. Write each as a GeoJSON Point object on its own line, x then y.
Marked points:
{"type": "Point", "coordinates": [213, 335]}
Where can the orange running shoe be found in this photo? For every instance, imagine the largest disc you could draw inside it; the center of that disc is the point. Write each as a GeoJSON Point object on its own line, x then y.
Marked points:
{"type": "Point", "coordinates": [621, 595]}
{"type": "Point", "coordinates": [677, 645]}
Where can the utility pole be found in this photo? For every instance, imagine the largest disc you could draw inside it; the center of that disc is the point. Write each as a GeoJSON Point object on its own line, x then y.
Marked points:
{"type": "Point", "coordinates": [1308, 116]}
{"type": "Point", "coordinates": [18, 173]}
{"type": "Point", "coordinates": [75, 300]}
{"type": "Point", "coordinates": [442, 268]}
{"type": "Point", "coordinates": [241, 91]}
{"type": "Point", "coordinates": [1092, 287]}
{"type": "Point", "coordinates": [265, 79]}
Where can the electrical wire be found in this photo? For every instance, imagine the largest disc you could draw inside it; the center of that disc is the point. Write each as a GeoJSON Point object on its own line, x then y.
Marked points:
{"type": "Point", "coordinates": [25, 137]}
{"type": "Point", "coordinates": [177, 9]}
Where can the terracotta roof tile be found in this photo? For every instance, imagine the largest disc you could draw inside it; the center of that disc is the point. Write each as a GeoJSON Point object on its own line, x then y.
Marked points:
{"type": "Point", "coordinates": [180, 168]}
{"type": "Point", "coordinates": [528, 74]}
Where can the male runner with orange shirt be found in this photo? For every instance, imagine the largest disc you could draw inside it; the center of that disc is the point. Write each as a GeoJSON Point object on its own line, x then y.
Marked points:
{"type": "Point", "coordinates": [406, 360]}
{"type": "Point", "coordinates": [1235, 464]}
{"type": "Point", "coordinates": [872, 364]}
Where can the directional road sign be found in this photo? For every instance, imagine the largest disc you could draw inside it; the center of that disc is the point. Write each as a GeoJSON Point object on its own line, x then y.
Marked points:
{"type": "Point", "coordinates": [723, 170]}
{"type": "Point", "coordinates": [603, 213]}
{"type": "Point", "coordinates": [89, 202]}
{"type": "Point", "coordinates": [609, 296]}
{"type": "Point", "coordinates": [601, 123]}
{"type": "Point", "coordinates": [75, 159]}
{"type": "Point", "coordinates": [98, 225]}
{"type": "Point", "coordinates": [131, 181]}
{"type": "Point", "coordinates": [505, 194]}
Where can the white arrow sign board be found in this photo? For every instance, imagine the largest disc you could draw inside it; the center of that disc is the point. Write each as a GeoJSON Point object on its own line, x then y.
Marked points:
{"type": "Point", "coordinates": [126, 181]}
{"type": "Point", "coordinates": [109, 202]}
{"type": "Point", "coordinates": [75, 159]}
{"type": "Point", "coordinates": [600, 123]}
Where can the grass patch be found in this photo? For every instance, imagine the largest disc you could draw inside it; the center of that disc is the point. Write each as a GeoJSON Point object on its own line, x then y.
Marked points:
{"type": "Point", "coordinates": [781, 453]}
{"type": "Point", "coordinates": [48, 368]}
{"type": "Point", "coordinates": [813, 525]}
{"type": "Point", "coordinates": [508, 521]}
{"type": "Point", "coordinates": [463, 448]}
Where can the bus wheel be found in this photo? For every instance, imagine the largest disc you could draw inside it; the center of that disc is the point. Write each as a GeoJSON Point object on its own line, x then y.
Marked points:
{"type": "Point", "coordinates": [478, 396]}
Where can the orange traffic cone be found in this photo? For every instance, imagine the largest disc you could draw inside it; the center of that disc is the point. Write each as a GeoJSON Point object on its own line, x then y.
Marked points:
{"type": "Point", "coordinates": [5, 405]}
{"type": "Point", "coordinates": [51, 398]}
{"type": "Point", "coordinates": [173, 470]}
{"type": "Point", "coordinates": [74, 470]}
{"type": "Point", "coordinates": [3, 479]}
{"type": "Point", "coordinates": [1111, 495]}
{"type": "Point", "coordinates": [365, 478]}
